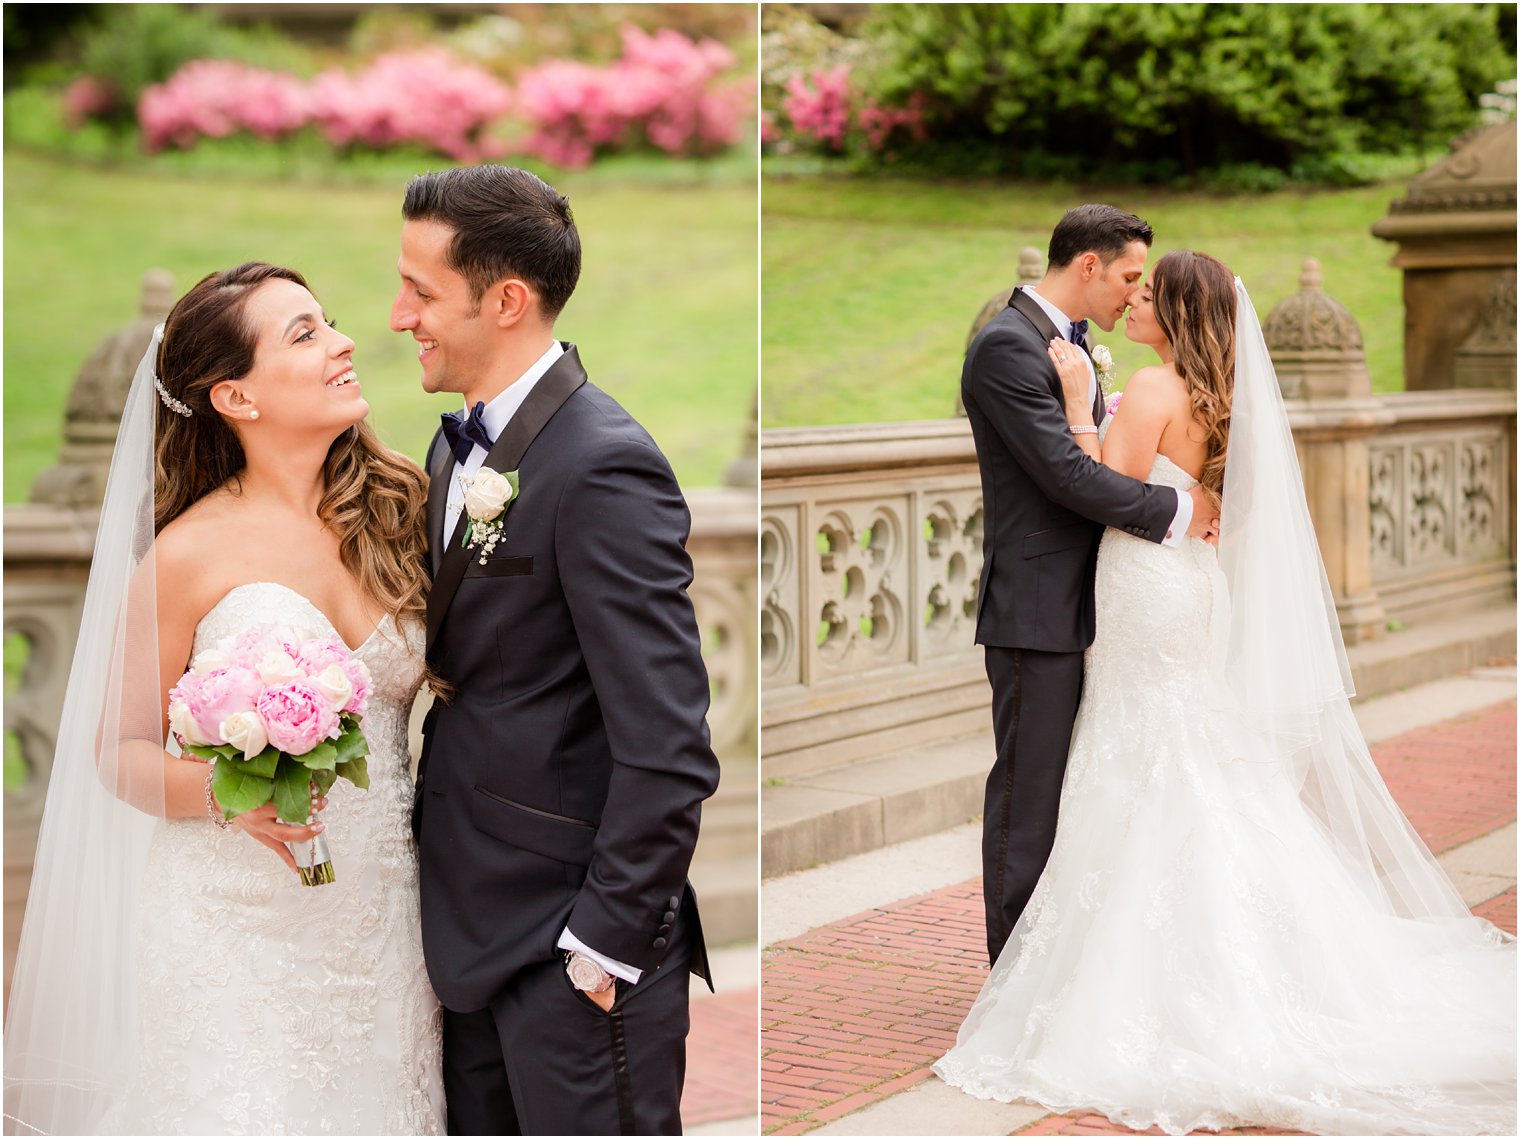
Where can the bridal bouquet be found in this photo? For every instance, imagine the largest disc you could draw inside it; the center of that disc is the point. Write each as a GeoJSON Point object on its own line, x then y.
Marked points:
{"type": "Point", "coordinates": [277, 714]}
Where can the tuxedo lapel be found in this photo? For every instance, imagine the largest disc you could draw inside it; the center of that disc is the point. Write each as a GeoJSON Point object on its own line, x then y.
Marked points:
{"type": "Point", "coordinates": [438, 500]}
{"type": "Point", "coordinates": [1036, 315]}
{"type": "Point", "coordinates": [558, 384]}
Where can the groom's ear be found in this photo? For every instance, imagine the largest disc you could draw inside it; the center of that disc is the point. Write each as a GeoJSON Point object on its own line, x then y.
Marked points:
{"type": "Point", "coordinates": [509, 301]}
{"type": "Point", "coordinates": [1089, 265]}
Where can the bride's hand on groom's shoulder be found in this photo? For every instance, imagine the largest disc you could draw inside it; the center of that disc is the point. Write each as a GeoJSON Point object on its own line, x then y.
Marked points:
{"type": "Point", "coordinates": [1072, 369]}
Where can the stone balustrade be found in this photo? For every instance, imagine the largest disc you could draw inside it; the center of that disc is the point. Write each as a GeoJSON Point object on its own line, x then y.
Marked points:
{"type": "Point", "coordinates": [871, 550]}
{"type": "Point", "coordinates": [47, 561]}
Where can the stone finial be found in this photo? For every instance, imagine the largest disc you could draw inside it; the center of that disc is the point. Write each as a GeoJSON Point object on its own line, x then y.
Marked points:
{"type": "Point", "coordinates": [1315, 342]}
{"type": "Point", "coordinates": [95, 403]}
{"type": "Point", "coordinates": [1486, 359]}
{"type": "Point", "coordinates": [1031, 266]}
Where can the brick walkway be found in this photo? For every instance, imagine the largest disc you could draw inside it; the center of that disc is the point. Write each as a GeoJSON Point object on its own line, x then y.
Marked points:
{"type": "Point", "coordinates": [855, 1011]}
{"type": "Point", "coordinates": [720, 1058]}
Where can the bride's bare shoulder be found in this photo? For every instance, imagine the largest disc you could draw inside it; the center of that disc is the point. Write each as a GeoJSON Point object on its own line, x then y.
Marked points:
{"type": "Point", "coordinates": [193, 555]}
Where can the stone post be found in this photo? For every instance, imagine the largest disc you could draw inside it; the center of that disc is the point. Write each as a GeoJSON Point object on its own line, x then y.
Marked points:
{"type": "Point", "coordinates": [1316, 349]}
{"type": "Point", "coordinates": [1031, 269]}
{"type": "Point", "coordinates": [1455, 233]}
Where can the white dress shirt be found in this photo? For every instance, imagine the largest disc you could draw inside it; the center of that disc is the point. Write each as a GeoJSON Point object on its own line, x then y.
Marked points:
{"type": "Point", "coordinates": [497, 414]}
{"type": "Point", "coordinates": [1184, 516]}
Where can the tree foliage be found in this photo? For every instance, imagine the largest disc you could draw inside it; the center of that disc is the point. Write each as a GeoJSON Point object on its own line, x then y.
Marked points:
{"type": "Point", "coordinates": [1182, 88]}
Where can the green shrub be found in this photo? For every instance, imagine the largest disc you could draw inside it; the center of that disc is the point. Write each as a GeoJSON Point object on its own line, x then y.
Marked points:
{"type": "Point", "coordinates": [1252, 91]}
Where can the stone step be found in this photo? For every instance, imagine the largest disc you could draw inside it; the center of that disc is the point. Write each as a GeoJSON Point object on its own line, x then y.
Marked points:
{"type": "Point", "coordinates": [919, 791]}
{"type": "Point", "coordinates": [728, 891]}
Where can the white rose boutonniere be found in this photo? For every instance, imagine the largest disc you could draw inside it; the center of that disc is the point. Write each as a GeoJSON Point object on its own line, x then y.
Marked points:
{"type": "Point", "coordinates": [1103, 364]}
{"type": "Point", "coordinates": [487, 494]}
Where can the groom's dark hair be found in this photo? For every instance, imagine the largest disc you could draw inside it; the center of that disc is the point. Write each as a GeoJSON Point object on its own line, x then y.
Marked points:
{"type": "Point", "coordinates": [507, 222]}
{"type": "Point", "coordinates": [1096, 228]}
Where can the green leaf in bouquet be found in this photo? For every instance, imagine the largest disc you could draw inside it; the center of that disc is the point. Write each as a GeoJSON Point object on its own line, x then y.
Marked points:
{"type": "Point", "coordinates": [356, 771]}
{"type": "Point", "coordinates": [323, 756]}
{"type": "Point", "coordinates": [210, 753]}
{"type": "Point", "coordinates": [237, 791]}
{"type": "Point", "coordinates": [323, 778]}
{"type": "Point", "coordinates": [262, 765]}
{"type": "Point", "coordinates": [352, 745]}
{"type": "Point", "coordinates": [292, 791]}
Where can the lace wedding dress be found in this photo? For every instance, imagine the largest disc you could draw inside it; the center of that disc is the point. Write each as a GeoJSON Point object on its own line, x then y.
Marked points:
{"type": "Point", "coordinates": [268, 1007]}
{"type": "Point", "coordinates": [1196, 954]}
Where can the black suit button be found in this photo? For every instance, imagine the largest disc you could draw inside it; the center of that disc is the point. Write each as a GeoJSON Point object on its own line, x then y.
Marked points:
{"type": "Point", "coordinates": [659, 943]}
{"type": "Point", "coordinates": [670, 915]}
{"type": "Point", "coordinates": [665, 929]}
{"type": "Point", "coordinates": [673, 903]}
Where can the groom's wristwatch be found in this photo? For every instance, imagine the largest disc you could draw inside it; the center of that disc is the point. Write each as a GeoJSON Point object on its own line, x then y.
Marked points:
{"type": "Point", "coordinates": [585, 974]}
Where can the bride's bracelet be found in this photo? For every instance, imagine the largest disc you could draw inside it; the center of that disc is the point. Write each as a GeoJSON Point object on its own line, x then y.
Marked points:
{"type": "Point", "coordinates": [211, 808]}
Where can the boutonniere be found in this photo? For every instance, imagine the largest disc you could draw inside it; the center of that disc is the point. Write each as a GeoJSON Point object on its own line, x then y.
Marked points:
{"type": "Point", "coordinates": [1103, 364]}
{"type": "Point", "coordinates": [487, 494]}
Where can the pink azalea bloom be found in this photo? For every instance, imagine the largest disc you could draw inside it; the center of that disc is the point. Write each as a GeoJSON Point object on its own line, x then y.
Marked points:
{"type": "Point", "coordinates": [297, 717]}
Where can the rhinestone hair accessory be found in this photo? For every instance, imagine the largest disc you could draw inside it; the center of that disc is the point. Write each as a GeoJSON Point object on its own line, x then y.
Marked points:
{"type": "Point", "coordinates": [169, 401]}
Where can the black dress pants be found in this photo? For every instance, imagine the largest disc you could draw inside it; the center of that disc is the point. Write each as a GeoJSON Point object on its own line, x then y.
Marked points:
{"type": "Point", "coordinates": [544, 1059]}
{"type": "Point", "coordinates": [1034, 705]}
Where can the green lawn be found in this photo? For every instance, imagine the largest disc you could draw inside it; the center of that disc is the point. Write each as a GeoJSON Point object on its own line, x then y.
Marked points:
{"type": "Point", "coordinates": [871, 285]}
{"type": "Point", "coordinates": [665, 314]}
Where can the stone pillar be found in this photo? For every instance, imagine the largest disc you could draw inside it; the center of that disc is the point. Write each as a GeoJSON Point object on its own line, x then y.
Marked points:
{"type": "Point", "coordinates": [48, 545]}
{"type": "Point", "coordinates": [1316, 349]}
{"type": "Point", "coordinates": [1031, 269]}
{"type": "Point", "coordinates": [1455, 233]}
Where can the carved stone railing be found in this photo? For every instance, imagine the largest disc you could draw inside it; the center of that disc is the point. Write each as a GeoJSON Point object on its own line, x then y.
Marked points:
{"type": "Point", "coordinates": [871, 550]}
{"type": "Point", "coordinates": [47, 561]}
{"type": "Point", "coordinates": [1441, 501]}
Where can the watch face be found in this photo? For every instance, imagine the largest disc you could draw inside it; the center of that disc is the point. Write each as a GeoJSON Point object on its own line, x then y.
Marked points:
{"type": "Point", "coordinates": [586, 974]}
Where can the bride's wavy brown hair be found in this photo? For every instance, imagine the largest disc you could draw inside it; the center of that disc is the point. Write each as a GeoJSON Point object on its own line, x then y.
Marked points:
{"type": "Point", "coordinates": [375, 499]}
{"type": "Point", "coordinates": [1193, 296]}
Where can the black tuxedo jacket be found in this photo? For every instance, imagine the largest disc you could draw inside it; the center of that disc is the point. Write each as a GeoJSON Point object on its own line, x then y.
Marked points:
{"type": "Point", "coordinates": [563, 782]}
{"type": "Point", "coordinates": [1044, 502]}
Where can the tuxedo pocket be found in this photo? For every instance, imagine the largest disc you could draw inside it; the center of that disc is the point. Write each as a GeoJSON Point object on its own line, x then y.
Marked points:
{"type": "Point", "coordinates": [519, 566]}
{"type": "Point", "coordinates": [540, 832]}
{"type": "Point", "coordinates": [1068, 537]}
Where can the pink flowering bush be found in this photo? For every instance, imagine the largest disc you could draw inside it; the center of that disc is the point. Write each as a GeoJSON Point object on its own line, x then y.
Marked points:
{"type": "Point", "coordinates": [664, 90]}
{"type": "Point", "coordinates": [825, 112]}
{"type": "Point", "coordinates": [215, 98]}
{"type": "Point", "coordinates": [426, 97]}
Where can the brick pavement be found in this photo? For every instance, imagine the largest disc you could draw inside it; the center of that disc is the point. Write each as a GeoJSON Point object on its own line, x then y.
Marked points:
{"type": "Point", "coordinates": [721, 1054]}
{"type": "Point", "coordinates": [855, 1011]}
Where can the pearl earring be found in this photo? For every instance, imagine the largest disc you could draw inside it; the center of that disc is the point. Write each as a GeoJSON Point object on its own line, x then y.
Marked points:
{"type": "Point", "coordinates": [254, 414]}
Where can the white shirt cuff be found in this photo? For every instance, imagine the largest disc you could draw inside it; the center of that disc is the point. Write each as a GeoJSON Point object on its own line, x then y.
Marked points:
{"type": "Point", "coordinates": [568, 940]}
{"type": "Point", "coordinates": [1177, 533]}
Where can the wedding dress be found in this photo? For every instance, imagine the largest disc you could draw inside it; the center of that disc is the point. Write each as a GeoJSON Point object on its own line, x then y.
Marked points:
{"type": "Point", "coordinates": [1206, 947]}
{"type": "Point", "coordinates": [276, 1008]}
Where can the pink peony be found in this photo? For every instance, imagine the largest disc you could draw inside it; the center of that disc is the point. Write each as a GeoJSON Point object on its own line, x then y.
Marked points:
{"type": "Point", "coordinates": [315, 655]}
{"type": "Point", "coordinates": [217, 695]}
{"type": "Point", "coordinates": [1113, 403]}
{"type": "Point", "coordinates": [358, 676]}
{"type": "Point", "coordinates": [297, 717]}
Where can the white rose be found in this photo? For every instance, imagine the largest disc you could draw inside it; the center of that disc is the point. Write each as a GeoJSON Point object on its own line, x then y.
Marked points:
{"type": "Point", "coordinates": [277, 667]}
{"type": "Point", "coordinates": [1103, 358]}
{"type": "Point", "coordinates": [487, 494]}
{"type": "Point", "coordinates": [333, 683]}
{"type": "Point", "coordinates": [244, 731]}
{"type": "Point", "coordinates": [210, 660]}
{"type": "Point", "coordinates": [183, 724]}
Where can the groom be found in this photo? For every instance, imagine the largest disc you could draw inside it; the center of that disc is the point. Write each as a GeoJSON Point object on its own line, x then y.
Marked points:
{"type": "Point", "coordinates": [561, 781]}
{"type": "Point", "coordinates": [1045, 506]}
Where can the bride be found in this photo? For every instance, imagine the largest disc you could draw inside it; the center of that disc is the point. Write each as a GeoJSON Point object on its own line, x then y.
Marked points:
{"type": "Point", "coordinates": [174, 975]}
{"type": "Point", "coordinates": [1237, 925]}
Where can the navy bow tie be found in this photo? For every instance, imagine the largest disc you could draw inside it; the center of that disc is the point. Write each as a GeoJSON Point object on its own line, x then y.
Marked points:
{"type": "Point", "coordinates": [464, 435]}
{"type": "Point", "coordinates": [1079, 333]}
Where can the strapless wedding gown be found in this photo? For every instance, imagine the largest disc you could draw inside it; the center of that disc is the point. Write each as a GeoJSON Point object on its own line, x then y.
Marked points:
{"type": "Point", "coordinates": [1194, 955]}
{"type": "Point", "coordinates": [273, 1008]}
